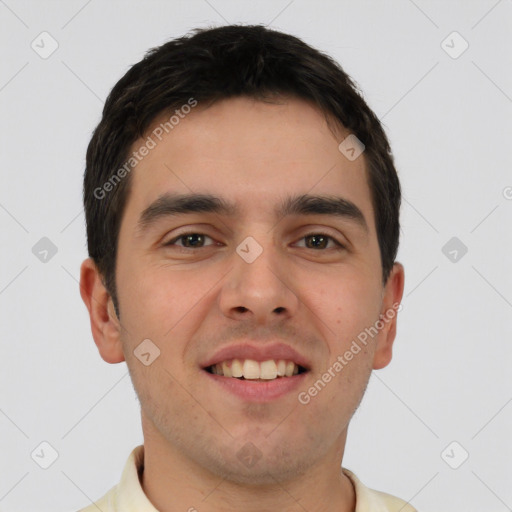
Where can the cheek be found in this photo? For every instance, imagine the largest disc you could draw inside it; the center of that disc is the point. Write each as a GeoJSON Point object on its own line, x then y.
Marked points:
{"type": "Point", "coordinates": [347, 302]}
{"type": "Point", "coordinates": [347, 305]}
{"type": "Point", "coordinates": [158, 299]}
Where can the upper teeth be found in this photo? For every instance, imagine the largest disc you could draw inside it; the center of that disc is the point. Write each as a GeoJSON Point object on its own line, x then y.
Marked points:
{"type": "Point", "coordinates": [250, 369]}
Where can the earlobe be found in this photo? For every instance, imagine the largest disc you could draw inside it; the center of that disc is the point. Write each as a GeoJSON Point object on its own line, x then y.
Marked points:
{"type": "Point", "coordinates": [392, 297]}
{"type": "Point", "coordinates": [105, 326]}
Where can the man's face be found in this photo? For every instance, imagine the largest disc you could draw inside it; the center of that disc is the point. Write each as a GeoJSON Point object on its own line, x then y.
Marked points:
{"type": "Point", "coordinates": [260, 286]}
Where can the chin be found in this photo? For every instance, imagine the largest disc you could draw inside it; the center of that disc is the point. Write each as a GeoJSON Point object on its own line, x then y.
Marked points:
{"type": "Point", "coordinates": [248, 465]}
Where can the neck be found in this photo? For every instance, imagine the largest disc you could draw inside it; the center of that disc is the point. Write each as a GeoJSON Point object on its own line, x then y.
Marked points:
{"type": "Point", "coordinates": [173, 482]}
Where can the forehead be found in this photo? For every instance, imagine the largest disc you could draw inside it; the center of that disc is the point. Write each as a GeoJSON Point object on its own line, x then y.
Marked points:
{"type": "Point", "coordinates": [253, 153]}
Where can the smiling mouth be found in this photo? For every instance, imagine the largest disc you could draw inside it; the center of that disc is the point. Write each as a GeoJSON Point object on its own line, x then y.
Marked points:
{"type": "Point", "coordinates": [249, 369]}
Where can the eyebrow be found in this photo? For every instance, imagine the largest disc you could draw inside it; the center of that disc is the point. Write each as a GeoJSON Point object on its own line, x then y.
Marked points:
{"type": "Point", "coordinates": [169, 205]}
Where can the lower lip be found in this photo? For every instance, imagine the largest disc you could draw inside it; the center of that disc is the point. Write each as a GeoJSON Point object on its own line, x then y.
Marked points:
{"type": "Point", "coordinates": [258, 391]}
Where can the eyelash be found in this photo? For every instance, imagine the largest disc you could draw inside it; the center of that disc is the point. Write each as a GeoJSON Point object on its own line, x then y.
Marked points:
{"type": "Point", "coordinates": [170, 243]}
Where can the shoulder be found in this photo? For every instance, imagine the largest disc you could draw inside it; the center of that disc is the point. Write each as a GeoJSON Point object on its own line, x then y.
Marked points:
{"type": "Point", "coordinates": [128, 493]}
{"type": "Point", "coordinates": [371, 500]}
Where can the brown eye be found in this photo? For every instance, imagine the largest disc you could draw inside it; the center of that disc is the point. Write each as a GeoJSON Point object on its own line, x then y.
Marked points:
{"type": "Point", "coordinates": [189, 240]}
{"type": "Point", "coordinates": [317, 241]}
{"type": "Point", "coordinates": [320, 241]}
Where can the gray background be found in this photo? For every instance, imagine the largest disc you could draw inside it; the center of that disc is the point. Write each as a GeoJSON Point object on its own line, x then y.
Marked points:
{"type": "Point", "coordinates": [449, 122]}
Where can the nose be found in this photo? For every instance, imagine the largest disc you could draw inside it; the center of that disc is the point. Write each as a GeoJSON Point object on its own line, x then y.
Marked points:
{"type": "Point", "coordinates": [260, 290]}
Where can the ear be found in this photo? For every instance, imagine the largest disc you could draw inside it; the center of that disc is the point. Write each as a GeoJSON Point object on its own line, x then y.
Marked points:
{"type": "Point", "coordinates": [105, 326]}
{"type": "Point", "coordinates": [391, 298]}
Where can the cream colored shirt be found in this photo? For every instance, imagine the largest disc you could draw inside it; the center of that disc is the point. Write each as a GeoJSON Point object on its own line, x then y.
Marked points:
{"type": "Point", "coordinates": [128, 495]}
